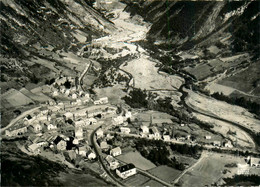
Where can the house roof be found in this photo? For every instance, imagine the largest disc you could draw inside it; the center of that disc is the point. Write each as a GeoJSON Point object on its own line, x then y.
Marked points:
{"type": "Point", "coordinates": [117, 149]}
{"type": "Point", "coordinates": [126, 167]}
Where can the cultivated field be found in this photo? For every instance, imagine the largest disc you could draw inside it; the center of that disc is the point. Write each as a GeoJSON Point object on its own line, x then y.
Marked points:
{"type": "Point", "coordinates": [165, 173]}
{"type": "Point", "coordinates": [114, 93]}
{"type": "Point", "coordinates": [245, 80]}
{"type": "Point", "coordinates": [210, 170]}
{"type": "Point", "coordinates": [136, 180]}
{"type": "Point", "coordinates": [137, 159]}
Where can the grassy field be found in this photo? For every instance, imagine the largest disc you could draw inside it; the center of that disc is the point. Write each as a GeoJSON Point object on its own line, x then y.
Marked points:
{"type": "Point", "coordinates": [146, 75]}
{"type": "Point", "coordinates": [210, 170]}
{"type": "Point", "coordinates": [112, 93]}
{"type": "Point", "coordinates": [136, 180]}
{"type": "Point", "coordinates": [223, 110]}
{"type": "Point", "coordinates": [165, 173]}
{"type": "Point", "coordinates": [152, 183]}
{"type": "Point", "coordinates": [137, 159]}
{"type": "Point", "coordinates": [245, 80]}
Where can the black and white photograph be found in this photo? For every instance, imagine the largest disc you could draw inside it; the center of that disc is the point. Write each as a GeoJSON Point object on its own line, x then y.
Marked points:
{"type": "Point", "coordinates": [130, 93]}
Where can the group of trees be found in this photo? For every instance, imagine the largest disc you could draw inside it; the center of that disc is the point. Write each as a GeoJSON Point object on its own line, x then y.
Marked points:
{"type": "Point", "coordinates": [157, 152]}
{"type": "Point", "coordinates": [137, 98]}
{"type": "Point", "coordinates": [246, 180]}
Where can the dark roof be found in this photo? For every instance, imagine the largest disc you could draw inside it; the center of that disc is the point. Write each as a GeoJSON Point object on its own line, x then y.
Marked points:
{"type": "Point", "coordinates": [57, 140]}
{"type": "Point", "coordinates": [126, 167]}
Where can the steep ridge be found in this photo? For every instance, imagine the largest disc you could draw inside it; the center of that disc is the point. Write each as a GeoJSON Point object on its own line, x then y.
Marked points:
{"type": "Point", "coordinates": [186, 24]}
{"type": "Point", "coordinates": [37, 35]}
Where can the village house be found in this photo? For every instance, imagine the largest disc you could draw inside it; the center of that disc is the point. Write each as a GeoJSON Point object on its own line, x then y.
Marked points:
{"type": "Point", "coordinates": [166, 138]}
{"type": "Point", "coordinates": [75, 141]}
{"type": "Point", "coordinates": [36, 128]}
{"type": "Point", "coordinates": [82, 151]}
{"type": "Point", "coordinates": [156, 133]}
{"type": "Point", "coordinates": [79, 132]}
{"type": "Point", "coordinates": [103, 100]}
{"type": "Point", "coordinates": [55, 93]}
{"type": "Point", "coordinates": [62, 145]}
{"type": "Point", "coordinates": [91, 155]}
{"type": "Point", "coordinates": [116, 151]}
{"type": "Point", "coordinates": [228, 144]}
{"type": "Point", "coordinates": [68, 115]}
{"type": "Point", "coordinates": [125, 130]}
{"type": "Point", "coordinates": [217, 143]}
{"type": "Point", "coordinates": [254, 162]}
{"type": "Point", "coordinates": [126, 171]}
{"type": "Point", "coordinates": [99, 133]}
{"type": "Point", "coordinates": [104, 146]}
{"type": "Point", "coordinates": [145, 129]}
{"type": "Point", "coordinates": [59, 143]}
{"type": "Point", "coordinates": [74, 96]}
{"type": "Point", "coordinates": [67, 92]}
{"type": "Point", "coordinates": [34, 148]}
{"type": "Point", "coordinates": [207, 137]}
{"type": "Point", "coordinates": [93, 121]}
{"type": "Point", "coordinates": [128, 114]}
{"type": "Point", "coordinates": [113, 163]}
{"type": "Point", "coordinates": [118, 120]}
{"type": "Point", "coordinates": [49, 126]}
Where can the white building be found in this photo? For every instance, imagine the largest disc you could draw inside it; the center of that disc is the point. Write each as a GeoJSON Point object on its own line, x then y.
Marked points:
{"type": "Point", "coordinates": [91, 155]}
{"type": "Point", "coordinates": [50, 126]}
{"type": "Point", "coordinates": [34, 148]}
{"type": "Point", "coordinates": [79, 132]}
{"type": "Point", "coordinates": [208, 137]}
{"type": "Point", "coordinates": [118, 120]}
{"type": "Point", "coordinates": [99, 133]}
{"type": "Point", "coordinates": [103, 100]}
{"type": "Point", "coordinates": [125, 130]}
{"type": "Point", "coordinates": [82, 151]}
{"type": "Point", "coordinates": [116, 151]}
{"type": "Point", "coordinates": [113, 163]}
{"type": "Point", "coordinates": [145, 129]}
{"type": "Point", "coordinates": [128, 114]}
{"type": "Point", "coordinates": [166, 137]}
{"type": "Point", "coordinates": [36, 128]}
{"type": "Point", "coordinates": [126, 171]}
{"type": "Point", "coordinates": [254, 162]}
{"type": "Point", "coordinates": [156, 132]}
{"type": "Point", "coordinates": [74, 96]}
{"type": "Point", "coordinates": [62, 145]}
{"type": "Point", "coordinates": [68, 115]}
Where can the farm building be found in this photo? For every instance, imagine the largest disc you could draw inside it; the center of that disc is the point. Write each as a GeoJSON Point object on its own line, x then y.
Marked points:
{"type": "Point", "coordinates": [126, 171]}
{"type": "Point", "coordinates": [116, 151]}
{"type": "Point", "coordinates": [103, 100]}
{"type": "Point", "coordinates": [125, 130]}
